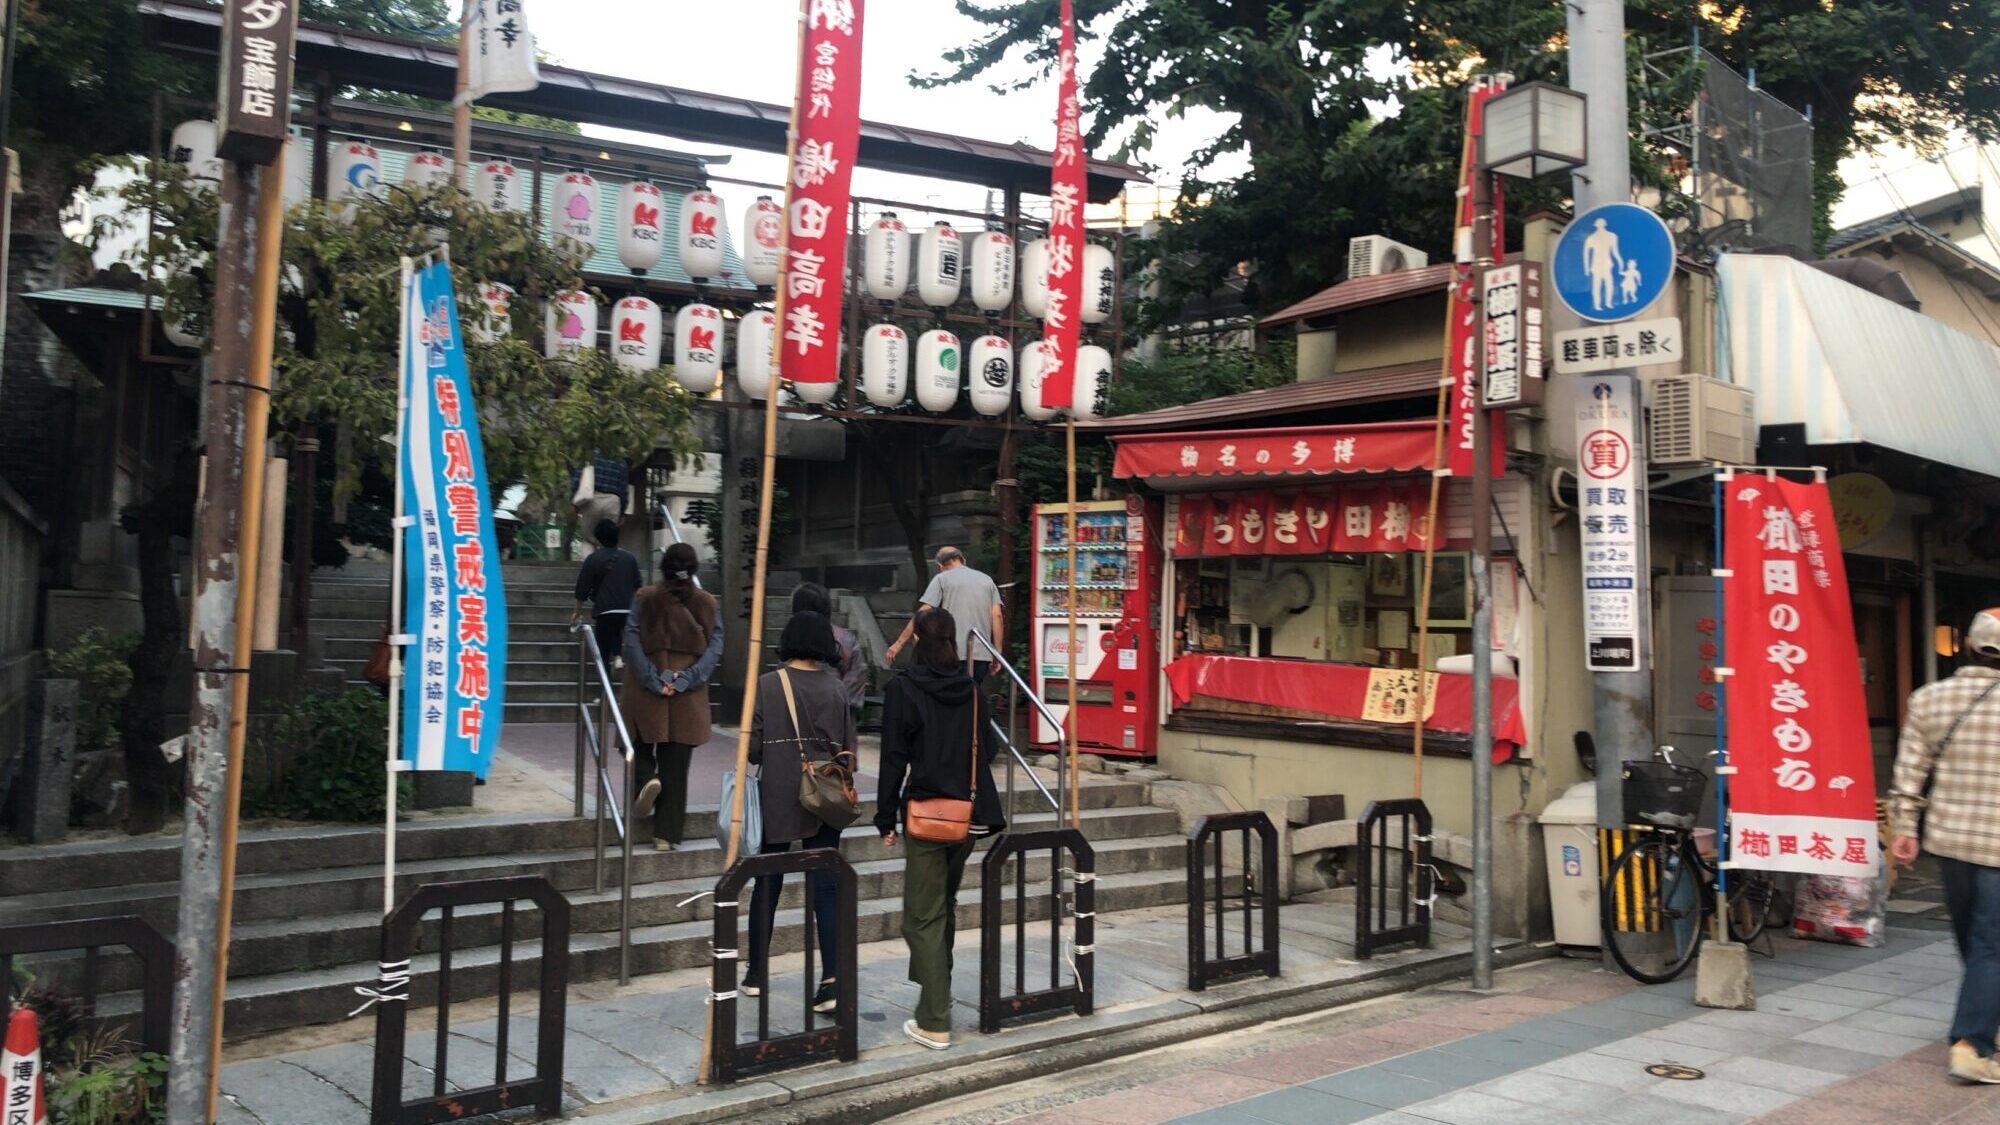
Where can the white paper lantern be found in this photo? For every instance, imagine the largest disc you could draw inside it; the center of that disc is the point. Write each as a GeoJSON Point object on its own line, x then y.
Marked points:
{"type": "Point", "coordinates": [1100, 283]}
{"type": "Point", "coordinates": [570, 324]}
{"type": "Point", "coordinates": [885, 258]}
{"type": "Point", "coordinates": [298, 173]}
{"type": "Point", "coordinates": [1034, 369]}
{"type": "Point", "coordinates": [885, 365]}
{"type": "Point", "coordinates": [426, 169]}
{"type": "Point", "coordinates": [639, 226]}
{"type": "Point", "coordinates": [496, 318]}
{"type": "Point", "coordinates": [940, 265]}
{"type": "Point", "coordinates": [574, 224]}
{"type": "Point", "coordinates": [754, 334]}
{"type": "Point", "coordinates": [703, 231]}
{"type": "Point", "coordinates": [990, 270]}
{"type": "Point", "coordinates": [1093, 382]}
{"type": "Point", "coordinates": [193, 144]}
{"type": "Point", "coordinates": [697, 347]}
{"type": "Point", "coordinates": [763, 237]}
{"type": "Point", "coordinates": [940, 365]}
{"type": "Point", "coordinates": [989, 372]}
{"type": "Point", "coordinates": [356, 174]}
{"type": "Point", "coordinates": [635, 334]}
{"type": "Point", "coordinates": [498, 186]}
{"type": "Point", "coordinates": [1035, 277]}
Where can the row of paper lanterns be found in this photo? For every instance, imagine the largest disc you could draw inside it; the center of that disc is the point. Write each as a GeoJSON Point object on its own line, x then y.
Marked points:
{"type": "Point", "coordinates": [944, 263]}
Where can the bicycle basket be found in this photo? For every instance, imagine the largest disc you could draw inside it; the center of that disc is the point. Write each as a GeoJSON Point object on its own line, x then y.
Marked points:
{"type": "Point", "coordinates": [1662, 795]}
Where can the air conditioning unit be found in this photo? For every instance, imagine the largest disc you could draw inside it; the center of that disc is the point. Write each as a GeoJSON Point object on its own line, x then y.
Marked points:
{"type": "Point", "coordinates": [1694, 420]}
{"type": "Point", "coordinates": [1372, 254]}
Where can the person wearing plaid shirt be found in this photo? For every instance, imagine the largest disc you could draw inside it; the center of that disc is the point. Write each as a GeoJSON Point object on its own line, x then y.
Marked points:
{"type": "Point", "coordinates": [1951, 743]}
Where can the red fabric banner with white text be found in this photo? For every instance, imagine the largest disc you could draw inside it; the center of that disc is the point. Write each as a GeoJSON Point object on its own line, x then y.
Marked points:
{"type": "Point", "coordinates": [1462, 349]}
{"type": "Point", "coordinates": [1803, 795]}
{"type": "Point", "coordinates": [827, 118]}
{"type": "Point", "coordinates": [1065, 299]}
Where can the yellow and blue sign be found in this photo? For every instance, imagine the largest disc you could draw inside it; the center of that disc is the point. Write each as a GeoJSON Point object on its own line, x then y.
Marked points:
{"type": "Point", "coordinates": [1613, 261]}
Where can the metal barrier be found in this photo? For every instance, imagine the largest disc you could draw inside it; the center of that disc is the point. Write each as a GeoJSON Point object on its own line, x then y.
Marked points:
{"type": "Point", "coordinates": [155, 953]}
{"type": "Point", "coordinates": [590, 747]}
{"type": "Point", "coordinates": [995, 1008]}
{"type": "Point", "coordinates": [1203, 969]}
{"type": "Point", "coordinates": [1378, 879]}
{"type": "Point", "coordinates": [544, 1090]}
{"type": "Point", "coordinates": [732, 1059]}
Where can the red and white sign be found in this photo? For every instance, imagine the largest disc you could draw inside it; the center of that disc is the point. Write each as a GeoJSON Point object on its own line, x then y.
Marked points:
{"type": "Point", "coordinates": [1060, 319]}
{"type": "Point", "coordinates": [826, 121]}
{"type": "Point", "coordinates": [1609, 493]}
{"type": "Point", "coordinates": [1803, 797]}
{"type": "Point", "coordinates": [1464, 347]}
{"type": "Point", "coordinates": [1300, 451]}
{"type": "Point", "coordinates": [21, 1095]}
{"type": "Point", "coordinates": [1378, 516]}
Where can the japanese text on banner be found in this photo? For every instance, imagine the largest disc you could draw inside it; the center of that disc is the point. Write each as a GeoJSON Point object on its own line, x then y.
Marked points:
{"type": "Point", "coordinates": [1060, 321]}
{"type": "Point", "coordinates": [1464, 350]}
{"type": "Point", "coordinates": [1803, 798]}
{"type": "Point", "coordinates": [827, 120]}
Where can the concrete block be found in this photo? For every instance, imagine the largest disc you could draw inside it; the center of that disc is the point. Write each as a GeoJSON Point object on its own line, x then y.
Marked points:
{"type": "Point", "coordinates": [43, 816]}
{"type": "Point", "coordinates": [1722, 977]}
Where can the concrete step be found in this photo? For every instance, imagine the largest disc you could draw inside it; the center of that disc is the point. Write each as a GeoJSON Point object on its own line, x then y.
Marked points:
{"type": "Point", "coordinates": [519, 651]}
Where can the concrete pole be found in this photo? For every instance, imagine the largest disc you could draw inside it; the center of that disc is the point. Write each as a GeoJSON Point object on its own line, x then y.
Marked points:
{"type": "Point", "coordinates": [1624, 700]}
{"type": "Point", "coordinates": [1483, 241]}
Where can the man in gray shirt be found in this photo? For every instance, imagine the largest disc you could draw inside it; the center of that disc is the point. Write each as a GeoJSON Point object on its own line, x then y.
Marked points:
{"type": "Point", "coordinates": [973, 602]}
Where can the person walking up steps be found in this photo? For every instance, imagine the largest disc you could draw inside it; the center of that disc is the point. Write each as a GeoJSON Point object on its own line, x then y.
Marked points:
{"type": "Point", "coordinates": [609, 578]}
{"type": "Point", "coordinates": [973, 602]}
{"type": "Point", "coordinates": [1951, 742]}
{"type": "Point", "coordinates": [673, 642]}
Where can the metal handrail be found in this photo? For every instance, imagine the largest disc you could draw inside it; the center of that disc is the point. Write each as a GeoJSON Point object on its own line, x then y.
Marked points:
{"type": "Point", "coordinates": [603, 778]}
{"type": "Point", "coordinates": [1020, 686]}
{"type": "Point", "coordinates": [1009, 744]}
{"type": "Point", "coordinates": [589, 657]}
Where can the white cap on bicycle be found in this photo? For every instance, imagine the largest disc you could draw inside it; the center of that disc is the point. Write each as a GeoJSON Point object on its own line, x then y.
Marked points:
{"type": "Point", "coordinates": [1984, 635]}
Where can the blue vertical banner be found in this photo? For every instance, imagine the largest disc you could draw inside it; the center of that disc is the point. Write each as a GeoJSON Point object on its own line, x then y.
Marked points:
{"type": "Point", "coordinates": [455, 609]}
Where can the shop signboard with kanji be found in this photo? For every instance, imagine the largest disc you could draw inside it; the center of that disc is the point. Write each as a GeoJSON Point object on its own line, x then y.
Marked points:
{"type": "Point", "coordinates": [828, 124]}
{"type": "Point", "coordinates": [1803, 796]}
{"type": "Point", "coordinates": [1370, 517]}
{"type": "Point", "coordinates": [1615, 615]}
{"type": "Point", "coordinates": [1511, 301]}
{"type": "Point", "coordinates": [255, 105]}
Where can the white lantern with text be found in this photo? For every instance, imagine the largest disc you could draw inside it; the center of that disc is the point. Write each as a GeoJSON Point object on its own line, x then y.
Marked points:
{"type": "Point", "coordinates": [496, 317]}
{"type": "Point", "coordinates": [939, 363]}
{"type": "Point", "coordinates": [635, 334]}
{"type": "Point", "coordinates": [990, 270]}
{"type": "Point", "coordinates": [1034, 369]}
{"type": "Point", "coordinates": [940, 265]}
{"type": "Point", "coordinates": [989, 373]}
{"type": "Point", "coordinates": [703, 233]}
{"type": "Point", "coordinates": [570, 324]}
{"type": "Point", "coordinates": [426, 169]}
{"type": "Point", "coordinates": [639, 226]}
{"type": "Point", "coordinates": [355, 175]}
{"type": "Point", "coordinates": [885, 258]}
{"type": "Point", "coordinates": [697, 347]}
{"type": "Point", "coordinates": [498, 186]}
{"type": "Point", "coordinates": [1100, 284]}
{"type": "Point", "coordinates": [763, 231]}
{"type": "Point", "coordinates": [1093, 381]}
{"type": "Point", "coordinates": [885, 365]}
{"type": "Point", "coordinates": [1035, 277]}
{"type": "Point", "coordinates": [574, 223]}
{"type": "Point", "coordinates": [754, 334]}
{"type": "Point", "coordinates": [193, 144]}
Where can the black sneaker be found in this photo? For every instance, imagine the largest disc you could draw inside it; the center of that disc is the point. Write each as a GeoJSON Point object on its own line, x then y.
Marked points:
{"type": "Point", "coordinates": [827, 998]}
{"type": "Point", "coordinates": [753, 983]}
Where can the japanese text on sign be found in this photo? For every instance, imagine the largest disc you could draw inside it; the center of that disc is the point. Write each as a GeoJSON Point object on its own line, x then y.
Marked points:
{"type": "Point", "coordinates": [828, 124]}
{"type": "Point", "coordinates": [1061, 319]}
{"type": "Point", "coordinates": [256, 79]}
{"type": "Point", "coordinates": [1634, 343]}
{"type": "Point", "coordinates": [1608, 496]}
{"type": "Point", "coordinates": [1511, 297]}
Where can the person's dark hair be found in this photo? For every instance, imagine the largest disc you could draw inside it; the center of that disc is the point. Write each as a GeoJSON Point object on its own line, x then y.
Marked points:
{"type": "Point", "coordinates": [808, 636]}
{"type": "Point", "coordinates": [606, 533]}
{"type": "Point", "coordinates": [678, 564]}
{"type": "Point", "coordinates": [936, 646]}
{"type": "Point", "coordinates": [811, 597]}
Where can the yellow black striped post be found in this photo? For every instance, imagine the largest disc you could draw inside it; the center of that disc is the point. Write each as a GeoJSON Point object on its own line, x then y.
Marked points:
{"type": "Point", "coordinates": [1635, 898]}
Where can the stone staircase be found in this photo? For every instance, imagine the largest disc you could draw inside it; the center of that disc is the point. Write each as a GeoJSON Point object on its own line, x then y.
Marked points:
{"type": "Point", "coordinates": [307, 906]}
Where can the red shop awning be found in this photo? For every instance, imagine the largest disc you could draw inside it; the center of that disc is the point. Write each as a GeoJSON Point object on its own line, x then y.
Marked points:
{"type": "Point", "coordinates": [1296, 452]}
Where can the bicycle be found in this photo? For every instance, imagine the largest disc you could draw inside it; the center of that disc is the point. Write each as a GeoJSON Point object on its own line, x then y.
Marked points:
{"type": "Point", "coordinates": [1659, 894]}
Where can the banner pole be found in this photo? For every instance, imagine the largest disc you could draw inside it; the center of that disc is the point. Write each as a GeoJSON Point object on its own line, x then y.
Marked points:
{"type": "Point", "coordinates": [1722, 574]}
{"type": "Point", "coordinates": [1070, 713]}
{"type": "Point", "coordinates": [400, 526]}
{"type": "Point", "coordinates": [461, 106]}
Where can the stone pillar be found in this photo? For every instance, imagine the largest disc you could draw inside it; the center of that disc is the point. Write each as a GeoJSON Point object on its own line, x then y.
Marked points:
{"type": "Point", "coordinates": [51, 757]}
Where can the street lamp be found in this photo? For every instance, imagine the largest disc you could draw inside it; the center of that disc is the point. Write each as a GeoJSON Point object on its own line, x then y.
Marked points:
{"type": "Point", "coordinates": [1531, 131]}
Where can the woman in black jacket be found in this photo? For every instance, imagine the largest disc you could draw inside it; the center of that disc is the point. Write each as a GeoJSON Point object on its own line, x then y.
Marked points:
{"type": "Point", "coordinates": [932, 719]}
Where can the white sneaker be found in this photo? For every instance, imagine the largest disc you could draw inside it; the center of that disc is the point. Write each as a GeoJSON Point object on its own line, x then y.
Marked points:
{"type": "Point", "coordinates": [935, 1040]}
{"type": "Point", "coordinates": [1968, 1066]}
{"type": "Point", "coordinates": [649, 793]}
{"type": "Point", "coordinates": [660, 845]}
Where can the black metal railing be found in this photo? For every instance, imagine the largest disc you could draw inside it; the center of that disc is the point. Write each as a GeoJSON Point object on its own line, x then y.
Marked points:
{"type": "Point", "coordinates": [543, 1090]}
{"type": "Point", "coordinates": [1205, 842]}
{"type": "Point", "coordinates": [996, 1007]}
{"type": "Point", "coordinates": [128, 931]}
{"type": "Point", "coordinates": [1392, 876]}
{"type": "Point", "coordinates": [732, 1059]}
{"type": "Point", "coordinates": [595, 747]}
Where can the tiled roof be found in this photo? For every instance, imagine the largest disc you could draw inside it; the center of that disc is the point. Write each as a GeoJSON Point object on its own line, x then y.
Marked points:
{"type": "Point", "coordinates": [1362, 291]}
{"type": "Point", "coordinates": [1375, 384]}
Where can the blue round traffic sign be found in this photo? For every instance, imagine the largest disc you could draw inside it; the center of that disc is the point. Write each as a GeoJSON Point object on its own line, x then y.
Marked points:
{"type": "Point", "coordinates": [1613, 261]}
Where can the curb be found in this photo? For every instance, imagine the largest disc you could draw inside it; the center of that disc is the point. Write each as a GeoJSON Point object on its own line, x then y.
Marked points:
{"type": "Point", "coordinates": [874, 1089]}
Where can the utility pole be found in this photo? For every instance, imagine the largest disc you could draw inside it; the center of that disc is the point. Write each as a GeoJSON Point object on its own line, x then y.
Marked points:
{"type": "Point", "coordinates": [1624, 699]}
{"type": "Point", "coordinates": [1483, 242]}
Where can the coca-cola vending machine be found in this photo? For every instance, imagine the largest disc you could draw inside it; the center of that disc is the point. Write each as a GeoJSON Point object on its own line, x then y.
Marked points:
{"type": "Point", "coordinates": [1118, 558]}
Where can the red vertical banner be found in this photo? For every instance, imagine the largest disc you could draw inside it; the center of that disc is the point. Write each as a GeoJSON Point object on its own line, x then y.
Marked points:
{"type": "Point", "coordinates": [1803, 795]}
{"type": "Point", "coordinates": [827, 124]}
{"type": "Point", "coordinates": [1463, 351]}
{"type": "Point", "coordinates": [1066, 199]}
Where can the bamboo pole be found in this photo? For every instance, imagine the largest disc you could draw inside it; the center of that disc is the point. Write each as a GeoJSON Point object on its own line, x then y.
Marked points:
{"type": "Point", "coordinates": [461, 106]}
{"type": "Point", "coordinates": [1070, 713]}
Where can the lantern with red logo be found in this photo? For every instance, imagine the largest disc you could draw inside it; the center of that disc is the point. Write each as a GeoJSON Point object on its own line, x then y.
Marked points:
{"type": "Point", "coordinates": [356, 175]}
{"type": "Point", "coordinates": [885, 364]}
{"type": "Point", "coordinates": [1093, 381]}
{"type": "Point", "coordinates": [1035, 277]}
{"type": "Point", "coordinates": [703, 231]}
{"type": "Point", "coordinates": [990, 270]}
{"type": "Point", "coordinates": [1100, 283]}
{"type": "Point", "coordinates": [885, 258]}
{"type": "Point", "coordinates": [635, 334]}
{"type": "Point", "coordinates": [698, 347]}
{"type": "Point", "coordinates": [940, 265]}
{"type": "Point", "coordinates": [498, 186]}
{"type": "Point", "coordinates": [571, 324]}
{"type": "Point", "coordinates": [426, 169]}
{"type": "Point", "coordinates": [989, 372]}
{"type": "Point", "coordinates": [763, 228]}
{"type": "Point", "coordinates": [496, 317]}
{"type": "Point", "coordinates": [575, 221]}
{"type": "Point", "coordinates": [1034, 369]}
{"type": "Point", "coordinates": [938, 362]}
{"type": "Point", "coordinates": [754, 334]}
{"type": "Point", "coordinates": [639, 226]}
{"type": "Point", "coordinates": [193, 144]}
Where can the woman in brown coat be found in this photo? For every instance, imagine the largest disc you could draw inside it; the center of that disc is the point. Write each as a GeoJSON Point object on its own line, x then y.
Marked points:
{"type": "Point", "coordinates": [673, 642]}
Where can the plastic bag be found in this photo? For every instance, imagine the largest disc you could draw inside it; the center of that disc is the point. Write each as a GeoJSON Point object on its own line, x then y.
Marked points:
{"type": "Point", "coordinates": [1846, 910]}
{"type": "Point", "coordinates": [753, 814]}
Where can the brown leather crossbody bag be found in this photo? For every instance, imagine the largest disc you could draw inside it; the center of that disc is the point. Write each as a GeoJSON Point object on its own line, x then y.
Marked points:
{"type": "Point", "coordinates": [946, 820]}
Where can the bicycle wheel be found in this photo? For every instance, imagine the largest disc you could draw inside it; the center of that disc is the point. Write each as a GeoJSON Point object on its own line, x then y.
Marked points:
{"type": "Point", "coordinates": [1652, 909]}
{"type": "Point", "coordinates": [1750, 896]}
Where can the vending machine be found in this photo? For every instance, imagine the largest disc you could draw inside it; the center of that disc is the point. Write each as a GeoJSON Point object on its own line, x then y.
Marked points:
{"type": "Point", "coordinates": [1118, 557]}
